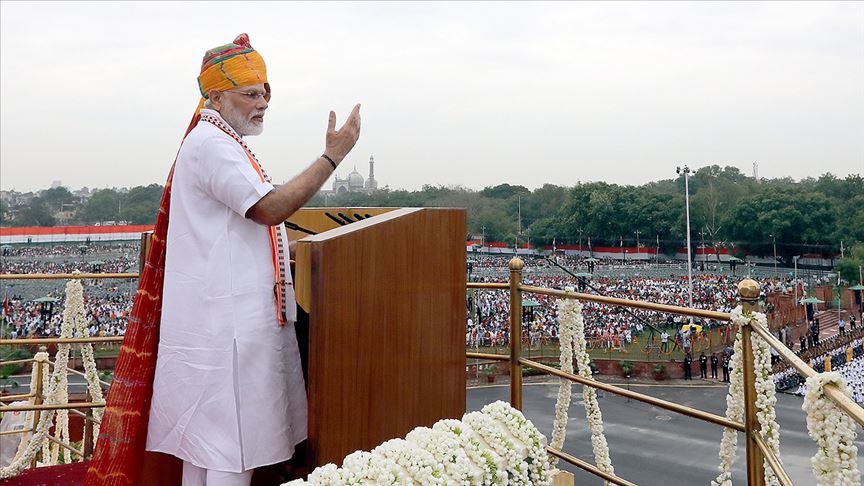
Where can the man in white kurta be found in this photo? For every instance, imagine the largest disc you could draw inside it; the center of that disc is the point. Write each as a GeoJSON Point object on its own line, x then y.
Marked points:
{"type": "Point", "coordinates": [228, 392]}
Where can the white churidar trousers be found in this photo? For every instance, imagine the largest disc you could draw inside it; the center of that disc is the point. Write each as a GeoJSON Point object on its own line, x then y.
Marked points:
{"type": "Point", "coordinates": [198, 476]}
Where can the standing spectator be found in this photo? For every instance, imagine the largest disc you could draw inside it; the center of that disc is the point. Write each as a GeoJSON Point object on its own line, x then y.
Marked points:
{"type": "Point", "coordinates": [688, 361]}
{"type": "Point", "coordinates": [841, 324]}
{"type": "Point", "coordinates": [815, 331]}
{"type": "Point", "coordinates": [685, 341]}
{"type": "Point", "coordinates": [664, 341]}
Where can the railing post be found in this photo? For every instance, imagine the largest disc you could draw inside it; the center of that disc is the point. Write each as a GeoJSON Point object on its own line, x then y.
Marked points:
{"type": "Point", "coordinates": [37, 399]}
{"type": "Point", "coordinates": [516, 266]}
{"type": "Point", "coordinates": [87, 446]}
{"type": "Point", "coordinates": [146, 243]}
{"type": "Point", "coordinates": [748, 294]}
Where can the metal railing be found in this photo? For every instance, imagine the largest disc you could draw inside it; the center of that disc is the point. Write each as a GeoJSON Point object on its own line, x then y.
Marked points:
{"type": "Point", "coordinates": [88, 442]}
{"type": "Point", "coordinates": [757, 451]}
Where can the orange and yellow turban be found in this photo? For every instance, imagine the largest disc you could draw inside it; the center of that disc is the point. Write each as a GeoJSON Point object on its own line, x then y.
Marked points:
{"type": "Point", "coordinates": [231, 66]}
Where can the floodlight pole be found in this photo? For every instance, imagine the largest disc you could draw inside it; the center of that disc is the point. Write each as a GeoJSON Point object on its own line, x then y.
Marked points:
{"type": "Point", "coordinates": [795, 259]}
{"type": "Point", "coordinates": [686, 172]}
{"type": "Point", "coordinates": [774, 243]}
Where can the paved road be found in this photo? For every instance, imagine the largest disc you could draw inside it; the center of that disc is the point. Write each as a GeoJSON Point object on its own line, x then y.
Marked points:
{"type": "Point", "coordinates": [650, 446]}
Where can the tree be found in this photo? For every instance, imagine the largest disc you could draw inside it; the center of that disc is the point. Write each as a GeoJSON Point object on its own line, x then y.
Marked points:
{"type": "Point", "coordinates": [36, 214]}
{"type": "Point", "coordinates": [56, 197]}
{"type": "Point", "coordinates": [103, 205]}
{"type": "Point", "coordinates": [848, 267]}
{"type": "Point", "coordinates": [141, 204]}
{"type": "Point", "coordinates": [504, 191]}
{"type": "Point", "coordinates": [798, 219]}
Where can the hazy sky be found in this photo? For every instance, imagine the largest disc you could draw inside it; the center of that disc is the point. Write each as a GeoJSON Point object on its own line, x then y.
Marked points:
{"type": "Point", "coordinates": [99, 94]}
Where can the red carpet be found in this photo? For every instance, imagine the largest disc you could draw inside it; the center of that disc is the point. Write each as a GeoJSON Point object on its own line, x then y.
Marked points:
{"type": "Point", "coordinates": [66, 475]}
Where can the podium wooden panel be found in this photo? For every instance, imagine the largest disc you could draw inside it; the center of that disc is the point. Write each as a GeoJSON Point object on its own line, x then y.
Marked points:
{"type": "Point", "coordinates": [386, 303]}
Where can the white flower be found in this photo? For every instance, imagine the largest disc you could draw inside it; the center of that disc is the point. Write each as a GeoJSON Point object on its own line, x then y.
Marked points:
{"type": "Point", "coordinates": [572, 339]}
{"type": "Point", "coordinates": [836, 460]}
{"type": "Point", "coordinates": [765, 399]}
{"type": "Point", "coordinates": [498, 446]}
{"type": "Point", "coordinates": [56, 389]}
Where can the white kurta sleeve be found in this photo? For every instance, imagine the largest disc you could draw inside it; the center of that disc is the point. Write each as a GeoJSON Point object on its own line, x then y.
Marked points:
{"type": "Point", "coordinates": [228, 176]}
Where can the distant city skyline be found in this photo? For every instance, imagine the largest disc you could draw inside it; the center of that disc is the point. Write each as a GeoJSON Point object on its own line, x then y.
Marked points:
{"type": "Point", "coordinates": [459, 93]}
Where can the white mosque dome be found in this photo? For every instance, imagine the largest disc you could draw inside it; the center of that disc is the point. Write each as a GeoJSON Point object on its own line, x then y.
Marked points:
{"type": "Point", "coordinates": [355, 179]}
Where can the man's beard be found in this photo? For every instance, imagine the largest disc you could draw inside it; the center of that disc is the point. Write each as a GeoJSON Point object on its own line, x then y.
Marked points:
{"type": "Point", "coordinates": [242, 125]}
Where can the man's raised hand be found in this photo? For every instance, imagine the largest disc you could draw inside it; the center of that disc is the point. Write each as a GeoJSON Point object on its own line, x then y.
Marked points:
{"type": "Point", "coordinates": [339, 142]}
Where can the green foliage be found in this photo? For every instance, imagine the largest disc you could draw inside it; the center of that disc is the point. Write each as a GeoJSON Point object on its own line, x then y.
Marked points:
{"type": "Point", "coordinates": [848, 267]}
{"type": "Point", "coordinates": [795, 218]}
{"type": "Point", "coordinates": [728, 209]}
{"type": "Point", "coordinates": [141, 203]}
{"type": "Point", "coordinates": [137, 206]}
{"type": "Point", "coordinates": [56, 197]}
{"type": "Point", "coordinates": [13, 354]}
{"type": "Point", "coordinates": [37, 213]}
{"type": "Point", "coordinates": [626, 367]}
{"type": "Point", "coordinates": [103, 205]}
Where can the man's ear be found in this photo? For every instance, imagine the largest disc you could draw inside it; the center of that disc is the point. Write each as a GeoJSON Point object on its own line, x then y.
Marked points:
{"type": "Point", "coordinates": [215, 99]}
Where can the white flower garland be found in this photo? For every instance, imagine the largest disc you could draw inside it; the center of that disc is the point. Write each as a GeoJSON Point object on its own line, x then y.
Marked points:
{"type": "Point", "coordinates": [836, 461]}
{"type": "Point", "coordinates": [56, 391]}
{"type": "Point", "coordinates": [566, 322]}
{"type": "Point", "coordinates": [572, 328]}
{"type": "Point", "coordinates": [75, 314]}
{"type": "Point", "coordinates": [497, 446]}
{"type": "Point", "coordinates": [765, 400]}
{"type": "Point", "coordinates": [40, 435]}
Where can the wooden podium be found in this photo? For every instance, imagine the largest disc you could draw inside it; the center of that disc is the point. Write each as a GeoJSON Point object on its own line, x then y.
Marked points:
{"type": "Point", "coordinates": [385, 298]}
{"type": "Point", "coordinates": [381, 328]}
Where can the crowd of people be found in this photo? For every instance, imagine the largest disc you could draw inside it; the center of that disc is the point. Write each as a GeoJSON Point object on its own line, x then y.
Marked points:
{"type": "Point", "coordinates": [95, 258]}
{"type": "Point", "coordinates": [67, 250]}
{"type": "Point", "coordinates": [843, 353]}
{"type": "Point", "coordinates": [108, 305]}
{"type": "Point", "coordinates": [607, 326]}
{"type": "Point", "coordinates": [34, 308]}
{"type": "Point", "coordinates": [853, 373]}
{"type": "Point", "coordinates": [106, 314]}
{"type": "Point", "coordinates": [502, 260]}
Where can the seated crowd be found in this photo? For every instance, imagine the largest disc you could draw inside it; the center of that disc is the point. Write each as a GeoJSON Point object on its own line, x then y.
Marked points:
{"type": "Point", "coordinates": [28, 307]}
{"type": "Point", "coordinates": [841, 353]}
{"type": "Point", "coordinates": [606, 326]}
{"type": "Point", "coordinates": [106, 314]}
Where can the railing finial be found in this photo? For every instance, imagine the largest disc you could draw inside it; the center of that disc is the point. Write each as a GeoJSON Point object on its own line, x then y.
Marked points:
{"type": "Point", "coordinates": [516, 263]}
{"type": "Point", "coordinates": [749, 290]}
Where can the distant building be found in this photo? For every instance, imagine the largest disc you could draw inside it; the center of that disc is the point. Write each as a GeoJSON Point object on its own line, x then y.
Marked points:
{"type": "Point", "coordinates": [355, 182]}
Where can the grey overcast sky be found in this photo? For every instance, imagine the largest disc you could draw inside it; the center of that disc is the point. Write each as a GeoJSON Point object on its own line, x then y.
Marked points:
{"type": "Point", "coordinates": [99, 94]}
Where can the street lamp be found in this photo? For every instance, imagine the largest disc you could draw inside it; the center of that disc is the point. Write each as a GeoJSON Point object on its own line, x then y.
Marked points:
{"type": "Point", "coordinates": [795, 260]}
{"type": "Point", "coordinates": [686, 173]}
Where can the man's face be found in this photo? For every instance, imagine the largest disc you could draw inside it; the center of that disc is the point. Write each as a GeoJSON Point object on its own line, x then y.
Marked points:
{"type": "Point", "coordinates": [244, 108]}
